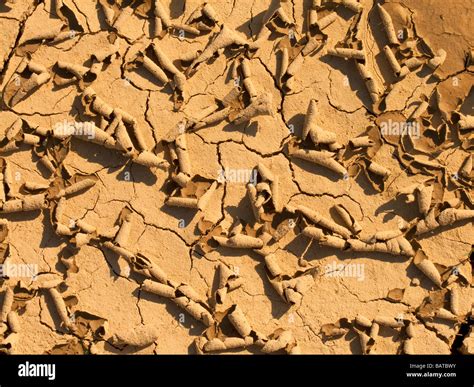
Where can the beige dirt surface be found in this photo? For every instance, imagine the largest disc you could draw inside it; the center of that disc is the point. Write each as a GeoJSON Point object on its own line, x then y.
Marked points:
{"type": "Point", "coordinates": [236, 176]}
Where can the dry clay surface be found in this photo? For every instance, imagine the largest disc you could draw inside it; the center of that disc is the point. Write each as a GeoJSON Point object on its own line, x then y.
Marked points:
{"type": "Point", "coordinates": [236, 176]}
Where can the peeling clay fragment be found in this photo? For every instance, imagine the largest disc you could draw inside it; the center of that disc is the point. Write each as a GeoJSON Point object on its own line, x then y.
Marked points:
{"type": "Point", "coordinates": [455, 301]}
{"type": "Point", "coordinates": [348, 219]}
{"type": "Point", "coordinates": [347, 53]}
{"type": "Point", "coordinates": [309, 119]}
{"type": "Point", "coordinates": [466, 168]}
{"type": "Point", "coordinates": [452, 215]}
{"type": "Point", "coordinates": [240, 241]}
{"type": "Point", "coordinates": [7, 304]}
{"type": "Point", "coordinates": [353, 5]}
{"type": "Point", "coordinates": [326, 21]}
{"type": "Point", "coordinates": [61, 309]}
{"type": "Point", "coordinates": [370, 83]}
{"type": "Point", "coordinates": [388, 25]}
{"type": "Point", "coordinates": [361, 142]}
{"type": "Point", "coordinates": [466, 122]}
{"type": "Point", "coordinates": [322, 221]}
{"type": "Point", "coordinates": [260, 106]}
{"type": "Point", "coordinates": [195, 309]}
{"type": "Point", "coordinates": [425, 194]}
{"type": "Point", "coordinates": [226, 37]}
{"type": "Point", "coordinates": [438, 59]}
{"type": "Point", "coordinates": [323, 158]}
{"type": "Point", "coordinates": [427, 267]}
{"type": "Point", "coordinates": [363, 321]}
{"type": "Point", "coordinates": [228, 281]}
{"type": "Point", "coordinates": [378, 169]}
{"type": "Point", "coordinates": [13, 322]}
{"type": "Point", "coordinates": [153, 68]}
{"type": "Point", "coordinates": [35, 81]}
{"type": "Point", "coordinates": [239, 321]}
{"type": "Point", "coordinates": [141, 336]}
{"type": "Point", "coordinates": [76, 70]}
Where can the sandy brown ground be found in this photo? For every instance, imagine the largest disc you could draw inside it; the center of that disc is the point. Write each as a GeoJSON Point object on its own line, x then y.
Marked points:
{"type": "Point", "coordinates": [239, 176]}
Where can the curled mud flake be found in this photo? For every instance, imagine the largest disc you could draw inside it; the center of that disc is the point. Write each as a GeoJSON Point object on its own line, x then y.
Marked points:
{"type": "Point", "coordinates": [385, 235]}
{"type": "Point", "coordinates": [206, 198]}
{"type": "Point", "coordinates": [61, 309]}
{"type": "Point", "coordinates": [347, 53]}
{"type": "Point", "coordinates": [225, 38]}
{"type": "Point", "coordinates": [408, 347]}
{"type": "Point", "coordinates": [309, 119]}
{"type": "Point", "coordinates": [323, 158]}
{"type": "Point", "coordinates": [427, 267]}
{"type": "Point", "coordinates": [424, 195]}
{"type": "Point", "coordinates": [378, 169]}
{"type": "Point", "coordinates": [159, 289]}
{"type": "Point", "coordinates": [366, 342]}
{"type": "Point", "coordinates": [361, 142]}
{"type": "Point", "coordinates": [140, 336]}
{"type": "Point", "coordinates": [281, 340]}
{"type": "Point", "coordinates": [29, 85]}
{"type": "Point", "coordinates": [323, 239]}
{"type": "Point", "coordinates": [27, 203]}
{"type": "Point", "coordinates": [311, 46]}
{"type": "Point", "coordinates": [228, 281]}
{"type": "Point", "coordinates": [420, 110]}
{"type": "Point", "coordinates": [161, 13]}
{"type": "Point", "coordinates": [374, 331]}
{"type": "Point", "coordinates": [333, 330]}
{"type": "Point", "coordinates": [94, 104]}
{"type": "Point", "coordinates": [183, 155]}
{"type": "Point", "coordinates": [466, 122]}
{"type": "Point", "coordinates": [363, 321]}
{"type": "Point", "coordinates": [182, 202]}
{"type": "Point", "coordinates": [438, 59]}
{"type": "Point", "coordinates": [76, 70]}
{"type": "Point", "coordinates": [370, 82]}
{"type": "Point", "coordinates": [413, 63]}
{"type": "Point", "coordinates": [392, 60]}
{"type": "Point", "coordinates": [153, 68]}
{"type": "Point", "coordinates": [13, 322]}
{"type": "Point", "coordinates": [466, 167]}
{"type": "Point", "coordinates": [449, 216]}
{"type": "Point", "coordinates": [239, 321]}
{"type": "Point", "coordinates": [259, 106]}
{"type": "Point", "coordinates": [388, 25]}
{"type": "Point", "coordinates": [204, 18]}
{"type": "Point", "coordinates": [165, 61]}
{"type": "Point", "coordinates": [213, 118]}
{"type": "Point", "coordinates": [324, 222]}
{"type": "Point", "coordinates": [240, 241]}
{"type": "Point", "coordinates": [390, 322]}
{"type": "Point", "coordinates": [326, 21]}
{"type": "Point", "coordinates": [121, 239]}
{"type": "Point", "coordinates": [348, 219]}
{"type": "Point", "coordinates": [7, 304]}
{"type": "Point", "coordinates": [252, 195]}
{"type": "Point", "coordinates": [454, 300]}
{"type": "Point", "coordinates": [353, 5]}
{"type": "Point", "coordinates": [321, 136]}
{"type": "Point", "coordinates": [272, 265]}
{"type": "Point", "coordinates": [445, 314]}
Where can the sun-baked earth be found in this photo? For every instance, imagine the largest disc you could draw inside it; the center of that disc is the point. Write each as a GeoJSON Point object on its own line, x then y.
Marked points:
{"type": "Point", "coordinates": [238, 176]}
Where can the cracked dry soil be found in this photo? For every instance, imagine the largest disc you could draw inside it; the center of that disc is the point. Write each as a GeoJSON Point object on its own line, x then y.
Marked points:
{"type": "Point", "coordinates": [239, 176]}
